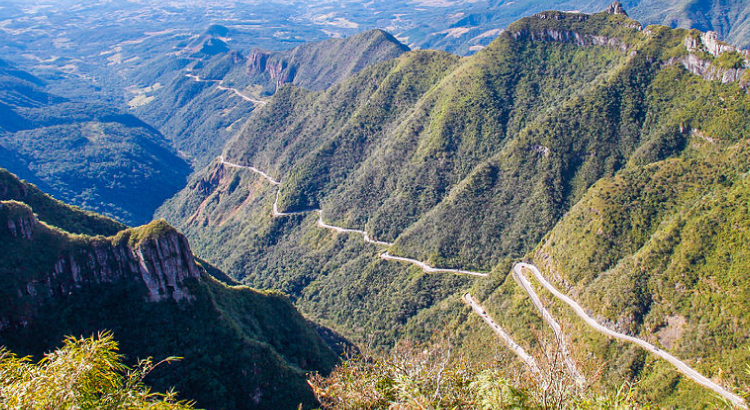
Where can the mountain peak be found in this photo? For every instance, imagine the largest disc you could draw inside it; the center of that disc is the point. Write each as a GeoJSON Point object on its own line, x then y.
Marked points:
{"type": "Point", "coordinates": [616, 8]}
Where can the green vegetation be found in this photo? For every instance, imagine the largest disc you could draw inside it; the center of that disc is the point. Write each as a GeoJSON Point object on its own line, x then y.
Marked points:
{"type": "Point", "coordinates": [473, 163]}
{"type": "Point", "coordinates": [85, 373]}
{"type": "Point", "coordinates": [730, 59]}
{"type": "Point", "coordinates": [198, 118]}
{"type": "Point", "coordinates": [242, 348]}
{"type": "Point", "coordinates": [412, 378]}
{"type": "Point", "coordinates": [87, 154]}
{"type": "Point", "coordinates": [66, 217]}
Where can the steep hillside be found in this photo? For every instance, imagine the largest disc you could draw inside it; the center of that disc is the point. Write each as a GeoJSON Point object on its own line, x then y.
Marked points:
{"type": "Point", "coordinates": [66, 217]}
{"type": "Point", "coordinates": [205, 98]}
{"type": "Point", "coordinates": [470, 163]}
{"type": "Point", "coordinates": [317, 66]}
{"type": "Point", "coordinates": [90, 155]}
{"type": "Point", "coordinates": [241, 348]}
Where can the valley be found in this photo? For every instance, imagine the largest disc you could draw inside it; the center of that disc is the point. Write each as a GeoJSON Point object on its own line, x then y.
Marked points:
{"type": "Point", "coordinates": [453, 204]}
{"type": "Point", "coordinates": [528, 288]}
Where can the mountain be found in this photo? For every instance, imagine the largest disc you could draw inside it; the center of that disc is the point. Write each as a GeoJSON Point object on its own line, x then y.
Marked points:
{"type": "Point", "coordinates": [91, 155]}
{"type": "Point", "coordinates": [317, 66]}
{"type": "Point", "coordinates": [240, 348]}
{"type": "Point", "coordinates": [205, 100]}
{"type": "Point", "coordinates": [590, 145]}
{"type": "Point", "coordinates": [730, 19]}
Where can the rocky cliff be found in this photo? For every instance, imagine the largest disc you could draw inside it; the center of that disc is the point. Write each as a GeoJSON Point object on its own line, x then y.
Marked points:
{"type": "Point", "coordinates": [241, 348]}
{"type": "Point", "coordinates": [714, 60]}
{"type": "Point", "coordinates": [40, 262]}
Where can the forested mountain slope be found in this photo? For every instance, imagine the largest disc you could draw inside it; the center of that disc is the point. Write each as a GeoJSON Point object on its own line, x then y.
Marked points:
{"type": "Point", "coordinates": [205, 97]}
{"type": "Point", "coordinates": [470, 163]}
{"type": "Point", "coordinates": [241, 348]}
{"type": "Point", "coordinates": [91, 155]}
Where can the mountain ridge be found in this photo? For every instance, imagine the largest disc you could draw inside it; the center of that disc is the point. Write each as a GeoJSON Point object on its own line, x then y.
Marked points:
{"type": "Point", "coordinates": [504, 146]}
{"type": "Point", "coordinates": [145, 285]}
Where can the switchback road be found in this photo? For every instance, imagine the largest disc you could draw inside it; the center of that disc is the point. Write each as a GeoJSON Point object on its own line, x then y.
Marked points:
{"type": "Point", "coordinates": [221, 86]}
{"type": "Point", "coordinates": [680, 365]}
{"type": "Point", "coordinates": [526, 285]}
{"type": "Point", "coordinates": [503, 335]}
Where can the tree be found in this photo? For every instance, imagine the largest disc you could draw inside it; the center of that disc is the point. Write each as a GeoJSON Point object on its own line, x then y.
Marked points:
{"type": "Point", "coordinates": [85, 373]}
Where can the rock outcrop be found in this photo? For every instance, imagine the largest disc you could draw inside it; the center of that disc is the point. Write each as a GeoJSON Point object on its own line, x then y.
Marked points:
{"type": "Point", "coordinates": [570, 37]}
{"type": "Point", "coordinates": [256, 61]}
{"type": "Point", "coordinates": [278, 69]}
{"type": "Point", "coordinates": [19, 220]}
{"type": "Point", "coordinates": [709, 43]}
{"type": "Point", "coordinates": [616, 8]}
{"type": "Point", "coordinates": [155, 256]}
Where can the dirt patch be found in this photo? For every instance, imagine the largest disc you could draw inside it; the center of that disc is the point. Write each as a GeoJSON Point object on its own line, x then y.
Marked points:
{"type": "Point", "coordinates": [671, 331]}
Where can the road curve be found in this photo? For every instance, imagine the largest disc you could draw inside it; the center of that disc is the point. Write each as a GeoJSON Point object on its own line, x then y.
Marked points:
{"type": "Point", "coordinates": [222, 87]}
{"type": "Point", "coordinates": [338, 229]}
{"type": "Point", "coordinates": [504, 336]}
{"type": "Point", "coordinates": [429, 269]}
{"type": "Point", "coordinates": [256, 170]}
{"type": "Point", "coordinates": [569, 363]}
{"type": "Point", "coordinates": [321, 223]}
{"type": "Point", "coordinates": [526, 285]}
{"type": "Point", "coordinates": [680, 365]}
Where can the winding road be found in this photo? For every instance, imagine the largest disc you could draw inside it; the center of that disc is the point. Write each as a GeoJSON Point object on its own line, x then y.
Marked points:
{"type": "Point", "coordinates": [222, 87]}
{"type": "Point", "coordinates": [365, 236]}
{"type": "Point", "coordinates": [681, 366]}
{"type": "Point", "coordinates": [563, 346]}
{"type": "Point", "coordinates": [504, 336]}
{"type": "Point", "coordinates": [523, 281]}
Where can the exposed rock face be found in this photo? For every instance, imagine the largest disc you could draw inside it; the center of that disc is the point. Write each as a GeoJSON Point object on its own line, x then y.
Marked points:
{"type": "Point", "coordinates": [163, 262]}
{"type": "Point", "coordinates": [570, 37]}
{"type": "Point", "coordinates": [616, 8]}
{"type": "Point", "coordinates": [279, 70]}
{"type": "Point", "coordinates": [708, 71]}
{"type": "Point", "coordinates": [20, 223]}
{"type": "Point", "coordinates": [256, 61]}
{"type": "Point", "coordinates": [709, 43]}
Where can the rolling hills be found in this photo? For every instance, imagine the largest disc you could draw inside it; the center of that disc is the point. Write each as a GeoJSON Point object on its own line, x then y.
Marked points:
{"type": "Point", "coordinates": [88, 154]}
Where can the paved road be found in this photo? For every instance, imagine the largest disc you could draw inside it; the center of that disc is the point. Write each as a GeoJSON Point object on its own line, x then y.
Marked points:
{"type": "Point", "coordinates": [526, 285]}
{"type": "Point", "coordinates": [338, 229]}
{"type": "Point", "coordinates": [321, 223]}
{"type": "Point", "coordinates": [569, 363]}
{"type": "Point", "coordinates": [504, 336]}
{"type": "Point", "coordinates": [256, 170]}
{"type": "Point", "coordinates": [429, 269]}
{"type": "Point", "coordinates": [680, 365]}
{"type": "Point", "coordinates": [221, 86]}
